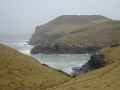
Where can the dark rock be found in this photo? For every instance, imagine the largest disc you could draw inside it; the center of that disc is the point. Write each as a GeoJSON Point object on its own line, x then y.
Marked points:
{"type": "Point", "coordinates": [58, 49]}
{"type": "Point", "coordinates": [96, 61]}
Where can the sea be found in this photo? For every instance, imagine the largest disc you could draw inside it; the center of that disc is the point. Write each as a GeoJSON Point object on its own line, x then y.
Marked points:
{"type": "Point", "coordinates": [61, 62]}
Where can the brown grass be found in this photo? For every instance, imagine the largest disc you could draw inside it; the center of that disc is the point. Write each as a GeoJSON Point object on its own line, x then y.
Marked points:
{"type": "Point", "coordinates": [20, 72]}
{"type": "Point", "coordinates": [107, 78]}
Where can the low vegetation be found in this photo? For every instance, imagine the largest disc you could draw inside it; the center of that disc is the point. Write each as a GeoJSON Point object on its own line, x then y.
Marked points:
{"type": "Point", "coordinates": [20, 72]}
{"type": "Point", "coordinates": [63, 26]}
{"type": "Point", "coordinates": [100, 35]}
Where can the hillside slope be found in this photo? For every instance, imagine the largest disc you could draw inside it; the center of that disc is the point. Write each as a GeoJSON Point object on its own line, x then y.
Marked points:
{"type": "Point", "coordinates": [63, 25]}
{"type": "Point", "coordinates": [100, 35]}
{"type": "Point", "coordinates": [20, 72]}
{"type": "Point", "coordinates": [106, 78]}
{"type": "Point", "coordinates": [73, 34]}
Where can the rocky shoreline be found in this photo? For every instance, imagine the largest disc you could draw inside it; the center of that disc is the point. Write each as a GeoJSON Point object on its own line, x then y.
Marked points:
{"type": "Point", "coordinates": [33, 75]}
{"type": "Point", "coordinates": [96, 60]}
{"type": "Point", "coordinates": [63, 49]}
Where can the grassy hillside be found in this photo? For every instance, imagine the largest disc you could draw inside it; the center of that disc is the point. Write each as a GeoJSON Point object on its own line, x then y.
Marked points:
{"type": "Point", "coordinates": [100, 35]}
{"type": "Point", "coordinates": [106, 78]}
{"type": "Point", "coordinates": [20, 72]}
{"type": "Point", "coordinates": [72, 31]}
{"type": "Point", "coordinates": [63, 26]}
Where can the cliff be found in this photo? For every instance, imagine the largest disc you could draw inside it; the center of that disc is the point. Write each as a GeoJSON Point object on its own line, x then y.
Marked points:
{"type": "Point", "coordinates": [76, 34]}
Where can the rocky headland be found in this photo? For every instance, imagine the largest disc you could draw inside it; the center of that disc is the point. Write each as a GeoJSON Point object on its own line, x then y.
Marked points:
{"type": "Point", "coordinates": [93, 34]}
{"type": "Point", "coordinates": [76, 34]}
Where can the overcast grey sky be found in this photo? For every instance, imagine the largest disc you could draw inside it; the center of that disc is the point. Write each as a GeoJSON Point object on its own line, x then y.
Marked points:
{"type": "Point", "coordinates": [24, 15]}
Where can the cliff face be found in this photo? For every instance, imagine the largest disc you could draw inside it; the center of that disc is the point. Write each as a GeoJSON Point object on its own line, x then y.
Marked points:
{"type": "Point", "coordinates": [72, 31]}
{"type": "Point", "coordinates": [106, 78]}
{"type": "Point", "coordinates": [20, 72]}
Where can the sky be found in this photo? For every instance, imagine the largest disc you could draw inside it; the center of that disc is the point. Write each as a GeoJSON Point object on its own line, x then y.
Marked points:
{"type": "Point", "coordinates": [21, 16]}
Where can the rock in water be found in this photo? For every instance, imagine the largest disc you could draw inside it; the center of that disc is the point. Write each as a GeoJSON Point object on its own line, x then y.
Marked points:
{"type": "Point", "coordinates": [96, 61]}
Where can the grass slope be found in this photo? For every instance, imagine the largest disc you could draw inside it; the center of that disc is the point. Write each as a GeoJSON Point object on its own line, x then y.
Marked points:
{"type": "Point", "coordinates": [63, 26]}
{"type": "Point", "coordinates": [106, 78]}
{"type": "Point", "coordinates": [84, 31]}
{"type": "Point", "coordinates": [100, 35]}
{"type": "Point", "coordinates": [20, 72]}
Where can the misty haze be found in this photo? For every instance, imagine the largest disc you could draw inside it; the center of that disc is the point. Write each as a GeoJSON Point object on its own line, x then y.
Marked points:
{"type": "Point", "coordinates": [22, 16]}
{"type": "Point", "coordinates": [59, 44]}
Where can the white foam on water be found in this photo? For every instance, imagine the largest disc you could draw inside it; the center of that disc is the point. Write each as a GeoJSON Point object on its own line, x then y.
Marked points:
{"type": "Point", "coordinates": [63, 62]}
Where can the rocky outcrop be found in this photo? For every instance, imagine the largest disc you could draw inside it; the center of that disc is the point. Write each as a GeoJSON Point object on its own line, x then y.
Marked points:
{"type": "Point", "coordinates": [57, 49]}
{"type": "Point", "coordinates": [106, 78]}
{"type": "Point", "coordinates": [96, 61]}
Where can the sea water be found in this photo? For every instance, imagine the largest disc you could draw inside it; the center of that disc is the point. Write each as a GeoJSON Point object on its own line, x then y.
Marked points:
{"type": "Point", "coordinates": [62, 62]}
